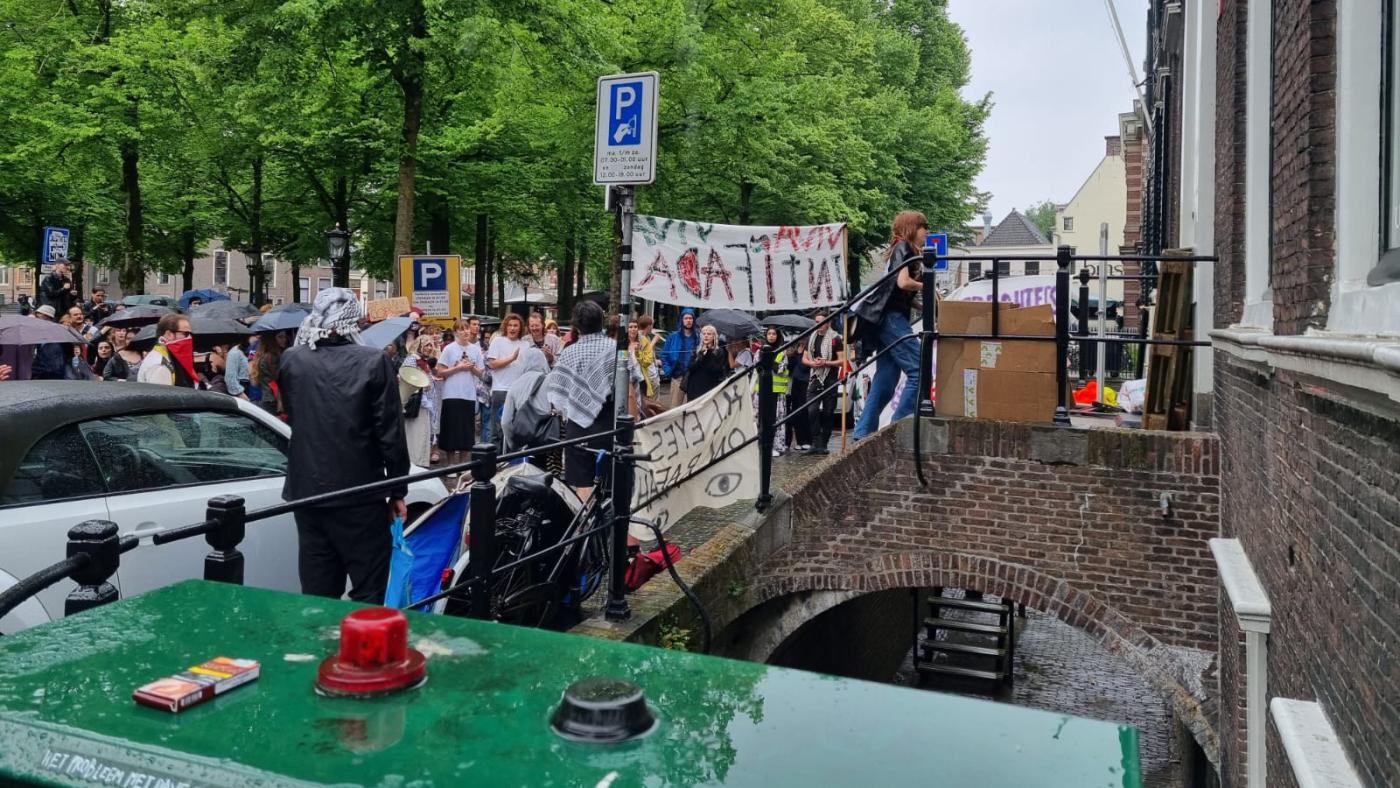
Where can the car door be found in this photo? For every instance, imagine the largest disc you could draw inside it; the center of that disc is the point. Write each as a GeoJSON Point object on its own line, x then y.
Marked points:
{"type": "Point", "coordinates": [56, 486]}
{"type": "Point", "coordinates": [161, 469]}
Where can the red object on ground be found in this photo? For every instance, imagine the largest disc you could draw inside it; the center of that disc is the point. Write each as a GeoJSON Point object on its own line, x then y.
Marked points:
{"type": "Point", "coordinates": [374, 657]}
{"type": "Point", "coordinates": [646, 565]}
{"type": "Point", "coordinates": [1088, 394]}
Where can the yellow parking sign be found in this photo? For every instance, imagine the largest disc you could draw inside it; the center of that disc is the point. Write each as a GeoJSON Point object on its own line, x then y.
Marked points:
{"type": "Point", "coordinates": [433, 283]}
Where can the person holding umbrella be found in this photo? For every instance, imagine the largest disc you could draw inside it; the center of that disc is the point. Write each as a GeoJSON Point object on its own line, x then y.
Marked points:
{"type": "Point", "coordinates": [125, 361]}
{"type": "Point", "coordinates": [50, 358]}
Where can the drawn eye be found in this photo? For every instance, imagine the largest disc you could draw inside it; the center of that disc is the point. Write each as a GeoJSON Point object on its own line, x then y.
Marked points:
{"type": "Point", "coordinates": [722, 484]}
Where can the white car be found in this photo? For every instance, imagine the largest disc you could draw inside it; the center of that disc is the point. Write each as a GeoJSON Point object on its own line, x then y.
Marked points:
{"type": "Point", "coordinates": [148, 458]}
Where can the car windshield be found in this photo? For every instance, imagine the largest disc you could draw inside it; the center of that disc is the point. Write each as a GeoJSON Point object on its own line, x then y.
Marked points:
{"type": "Point", "coordinates": [152, 450]}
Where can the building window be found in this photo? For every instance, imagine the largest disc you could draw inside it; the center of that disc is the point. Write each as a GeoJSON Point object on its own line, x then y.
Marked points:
{"type": "Point", "coordinates": [323, 263]}
{"type": "Point", "coordinates": [270, 269]}
{"type": "Point", "coordinates": [1003, 267]}
{"type": "Point", "coordinates": [4, 275]}
{"type": "Point", "coordinates": [1069, 224]}
{"type": "Point", "coordinates": [104, 276]}
{"type": "Point", "coordinates": [974, 271]}
{"type": "Point", "coordinates": [322, 283]}
{"type": "Point", "coordinates": [1032, 267]}
{"type": "Point", "coordinates": [304, 288]}
{"type": "Point", "coordinates": [163, 278]}
{"type": "Point", "coordinates": [220, 268]}
{"type": "Point", "coordinates": [1388, 270]}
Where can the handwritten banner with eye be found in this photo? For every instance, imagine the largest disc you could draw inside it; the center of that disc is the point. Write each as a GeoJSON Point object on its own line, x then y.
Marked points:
{"type": "Point", "coordinates": [683, 441]}
{"type": "Point", "coordinates": [750, 268]}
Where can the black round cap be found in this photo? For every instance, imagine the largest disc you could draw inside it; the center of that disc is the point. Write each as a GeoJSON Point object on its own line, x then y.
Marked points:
{"type": "Point", "coordinates": [603, 709]}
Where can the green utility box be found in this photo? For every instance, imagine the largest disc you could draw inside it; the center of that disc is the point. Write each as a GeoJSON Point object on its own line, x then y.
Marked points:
{"type": "Point", "coordinates": [483, 716]}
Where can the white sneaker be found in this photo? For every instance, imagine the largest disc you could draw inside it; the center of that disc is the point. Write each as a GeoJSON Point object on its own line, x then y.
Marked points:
{"type": "Point", "coordinates": [804, 447]}
{"type": "Point", "coordinates": [777, 453]}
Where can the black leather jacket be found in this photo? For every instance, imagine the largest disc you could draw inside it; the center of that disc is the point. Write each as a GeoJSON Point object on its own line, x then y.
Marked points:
{"type": "Point", "coordinates": [342, 400]}
{"type": "Point", "coordinates": [52, 291]}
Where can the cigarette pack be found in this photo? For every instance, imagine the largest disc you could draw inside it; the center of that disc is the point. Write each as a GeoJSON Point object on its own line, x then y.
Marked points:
{"type": "Point", "coordinates": [198, 684]}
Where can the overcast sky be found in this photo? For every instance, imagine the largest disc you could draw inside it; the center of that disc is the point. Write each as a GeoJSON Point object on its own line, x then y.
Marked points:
{"type": "Point", "coordinates": [1058, 82]}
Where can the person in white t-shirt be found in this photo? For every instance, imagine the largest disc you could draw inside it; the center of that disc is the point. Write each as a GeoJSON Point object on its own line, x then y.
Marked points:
{"type": "Point", "coordinates": [503, 358]}
{"type": "Point", "coordinates": [460, 364]}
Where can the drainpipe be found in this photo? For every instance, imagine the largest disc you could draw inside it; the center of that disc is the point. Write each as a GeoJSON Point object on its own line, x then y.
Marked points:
{"type": "Point", "coordinates": [1253, 615]}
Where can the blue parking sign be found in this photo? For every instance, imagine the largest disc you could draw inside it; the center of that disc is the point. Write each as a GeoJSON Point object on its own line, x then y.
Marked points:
{"type": "Point", "coordinates": [939, 243]}
{"type": "Point", "coordinates": [625, 121]}
{"type": "Point", "coordinates": [55, 244]}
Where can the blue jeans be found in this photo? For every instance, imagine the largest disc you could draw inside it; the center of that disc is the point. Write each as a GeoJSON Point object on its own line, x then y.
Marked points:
{"type": "Point", "coordinates": [904, 357]}
{"type": "Point", "coordinates": [491, 419]}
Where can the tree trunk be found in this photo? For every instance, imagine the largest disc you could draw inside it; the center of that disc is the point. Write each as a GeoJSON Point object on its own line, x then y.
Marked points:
{"type": "Point", "coordinates": [39, 239]}
{"type": "Point", "coordinates": [439, 224]}
{"type": "Point", "coordinates": [258, 285]}
{"type": "Point", "coordinates": [296, 282]}
{"type": "Point", "coordinates": [133, 272]}
{"type": "Point", "coordinates": [187, 255]}
{"type": "Point", "coordinates": [409, 75]}
{"type": "Point", "coordinates": [75, 255]}
{"type": "Point", "coordinates": [581, 284]}
{"type": "Point", "coordinates": [483, 283]}
{"type": "Point", "coordinates": [565, 288]}
{"type": "Point", "coordinates": [745, 199]}
{"type": "Point", "coordinates": [490, 274]}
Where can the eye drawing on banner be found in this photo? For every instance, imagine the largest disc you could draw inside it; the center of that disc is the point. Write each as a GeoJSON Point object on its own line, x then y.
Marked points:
{"type": "Point", "coordinates": [722, 484]}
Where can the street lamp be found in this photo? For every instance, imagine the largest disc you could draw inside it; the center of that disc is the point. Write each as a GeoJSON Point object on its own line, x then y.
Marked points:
{"type": "Point", "coordinates": [338, 244]}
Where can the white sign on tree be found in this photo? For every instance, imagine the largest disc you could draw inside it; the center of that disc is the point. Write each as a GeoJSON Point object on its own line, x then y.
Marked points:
{"type": "Point", "coordinates": [624, 144]}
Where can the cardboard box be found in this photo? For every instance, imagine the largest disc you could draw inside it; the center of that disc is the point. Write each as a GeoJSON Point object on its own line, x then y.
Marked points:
{"type": "Point", "coordinates": [1006, 380]}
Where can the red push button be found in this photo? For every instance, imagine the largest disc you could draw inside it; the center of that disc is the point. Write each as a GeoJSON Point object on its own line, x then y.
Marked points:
{"type": "Point", "coordinates": [374, 657]}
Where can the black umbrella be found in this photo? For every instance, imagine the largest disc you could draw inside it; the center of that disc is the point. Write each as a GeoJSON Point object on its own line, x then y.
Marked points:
{"type": "Point", "coordinates": [17, 330]}
{"type": "Point", "coordinates": [797, 322]}
{"type": "Point", "coordinates": [144, 340]}
{"type": "Point", "coordinates": [231, 309]}
{"type": "Point", "coordinates": [211, 331]}
{"type": "Point", "coordinates": [134, 316]}
{"type": "Point", "coordinates": [287, 317]}
{"type": "Point", "coordinates": [732, 323]}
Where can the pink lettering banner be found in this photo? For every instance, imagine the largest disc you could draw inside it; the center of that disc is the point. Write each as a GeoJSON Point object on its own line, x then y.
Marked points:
{"type": "Point", "coordinates": [750, 268]}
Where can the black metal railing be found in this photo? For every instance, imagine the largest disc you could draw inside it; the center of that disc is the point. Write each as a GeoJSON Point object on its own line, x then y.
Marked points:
{"type": "Point", "coordinates": [94, 548]}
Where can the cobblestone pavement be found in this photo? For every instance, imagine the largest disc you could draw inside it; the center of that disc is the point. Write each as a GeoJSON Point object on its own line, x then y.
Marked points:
{"type": "Point", "coordinates": [1059, 668]}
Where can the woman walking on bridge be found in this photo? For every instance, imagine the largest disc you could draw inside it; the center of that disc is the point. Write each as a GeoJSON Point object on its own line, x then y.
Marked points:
{"type": "Point", "coordinates": [884, 316]}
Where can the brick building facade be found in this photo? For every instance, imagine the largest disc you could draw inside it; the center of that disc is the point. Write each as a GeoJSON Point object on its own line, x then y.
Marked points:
{"type": "Point", "coordinates": [1286, 171]}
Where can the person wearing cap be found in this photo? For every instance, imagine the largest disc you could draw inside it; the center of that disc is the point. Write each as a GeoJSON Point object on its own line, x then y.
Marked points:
{"type": "Point", "coordinates": [50, 358]}
{"type": "Point", "coordinates": [56, 289]}
{"type": "Point", "coordinates": [342, 399]}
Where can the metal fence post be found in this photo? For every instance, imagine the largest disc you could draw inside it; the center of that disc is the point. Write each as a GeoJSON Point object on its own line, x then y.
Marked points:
{"type": "Point", "coordinates": [1063, 258]}
{"type": "Point", "coordinates": [767, 419]}
{"type": "Point", "coordinates": [97, 538]}
{"type": "Point", "coordinates": [482, 530]}
{"type": "Point", "coordinates": [928, 317]}
{"type": "Point", "coordinates": [224, 563]}
{"type": "Point", "coordinates": [1083, 324]}
{"type": "Point", "coordinates": [623, 469]}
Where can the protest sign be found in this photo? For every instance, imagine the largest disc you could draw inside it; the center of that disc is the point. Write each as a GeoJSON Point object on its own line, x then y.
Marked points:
{"type": "Point", "coordinates": [386, 308]}
{"type": "Point", "coordinates": [682, 441]}
{"type": "Point", "coordinates": [750, 268]}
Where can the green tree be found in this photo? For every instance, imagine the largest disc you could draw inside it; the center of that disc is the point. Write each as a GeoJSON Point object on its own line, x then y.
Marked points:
{"type": "Point", "coordinates": [1042, 215]}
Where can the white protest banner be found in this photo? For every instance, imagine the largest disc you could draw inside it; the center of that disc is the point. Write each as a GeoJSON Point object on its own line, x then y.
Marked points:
{"type": "Point", "coordinates": [752, 268]}
{"type": "Point", "coordinates": [682, 441]}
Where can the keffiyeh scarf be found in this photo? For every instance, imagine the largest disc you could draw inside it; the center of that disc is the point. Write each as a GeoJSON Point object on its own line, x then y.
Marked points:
{"type": "Point", "coordinates": [582, 378]}
{"type": "Point", "coordinates": [336, 312]}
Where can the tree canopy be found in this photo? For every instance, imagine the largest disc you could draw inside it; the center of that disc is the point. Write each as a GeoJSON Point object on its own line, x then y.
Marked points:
{"type": "Point", "coordinates": [153, 126]}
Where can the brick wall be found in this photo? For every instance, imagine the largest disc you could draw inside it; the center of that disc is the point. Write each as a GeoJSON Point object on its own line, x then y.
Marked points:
{"type": "Point", "coordinates": [1066, 521]}
{"type": "Point", "coordinates": [1313, 486]}
{"type": "Point", "coordinates": [1304, 162]}
{"type": "Point", "coordinates": [1230, 671]}
{"type": "Point", "coordinates": [1229, 163]}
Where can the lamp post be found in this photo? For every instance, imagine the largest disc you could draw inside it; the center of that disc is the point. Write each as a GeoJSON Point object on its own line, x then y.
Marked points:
{"type": "Point", "coordinates": [338, 246]}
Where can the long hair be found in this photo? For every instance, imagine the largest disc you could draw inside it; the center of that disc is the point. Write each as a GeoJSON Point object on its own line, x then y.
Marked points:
{"type": "Point", "coordinates": [905, 224]}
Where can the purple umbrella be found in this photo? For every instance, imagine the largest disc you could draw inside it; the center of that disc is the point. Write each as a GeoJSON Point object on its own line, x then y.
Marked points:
{"type": "Point", "coordinates": [16, 330]}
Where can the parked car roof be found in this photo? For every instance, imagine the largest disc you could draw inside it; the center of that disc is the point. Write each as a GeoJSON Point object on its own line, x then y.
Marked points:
{"type": "Point", "coordinates": [31, 409]}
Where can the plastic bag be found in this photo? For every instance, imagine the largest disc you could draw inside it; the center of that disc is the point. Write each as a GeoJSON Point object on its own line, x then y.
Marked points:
{"type": "Point", "coordinates": [399, 591]}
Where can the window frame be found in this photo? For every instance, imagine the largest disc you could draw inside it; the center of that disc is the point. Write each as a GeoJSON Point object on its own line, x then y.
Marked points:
{"type": "Point", "coordinates": [162, 278]}
{"type": "Point", "coordinates": [4, 275]}
{"type": "Point", "coordinates": [269, 262]}
{"type": "Point", "coordinates": [1067, 225]}
{"type": "Point", "coordinates": [1027, 268]}
{"type": "Point", "coordinates": [86, 448]}
{"type": "Point", "coordinates": [236, 413]}
{"type": "Point", "coordinates": [220, 254]}
{"type": "Point", "coordinates": [974, 270]}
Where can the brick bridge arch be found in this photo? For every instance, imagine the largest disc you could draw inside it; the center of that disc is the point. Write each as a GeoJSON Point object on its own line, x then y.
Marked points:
{"type": "Point", "coordinates": [1105, 529]}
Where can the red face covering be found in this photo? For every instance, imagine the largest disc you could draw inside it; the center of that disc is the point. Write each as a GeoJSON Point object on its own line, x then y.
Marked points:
{"type": "Point", "coordinates": [182, 352]}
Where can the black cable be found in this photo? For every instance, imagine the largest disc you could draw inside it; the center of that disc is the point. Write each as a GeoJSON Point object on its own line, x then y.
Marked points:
{"type": "Point", "coordinates": [685, 589]}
